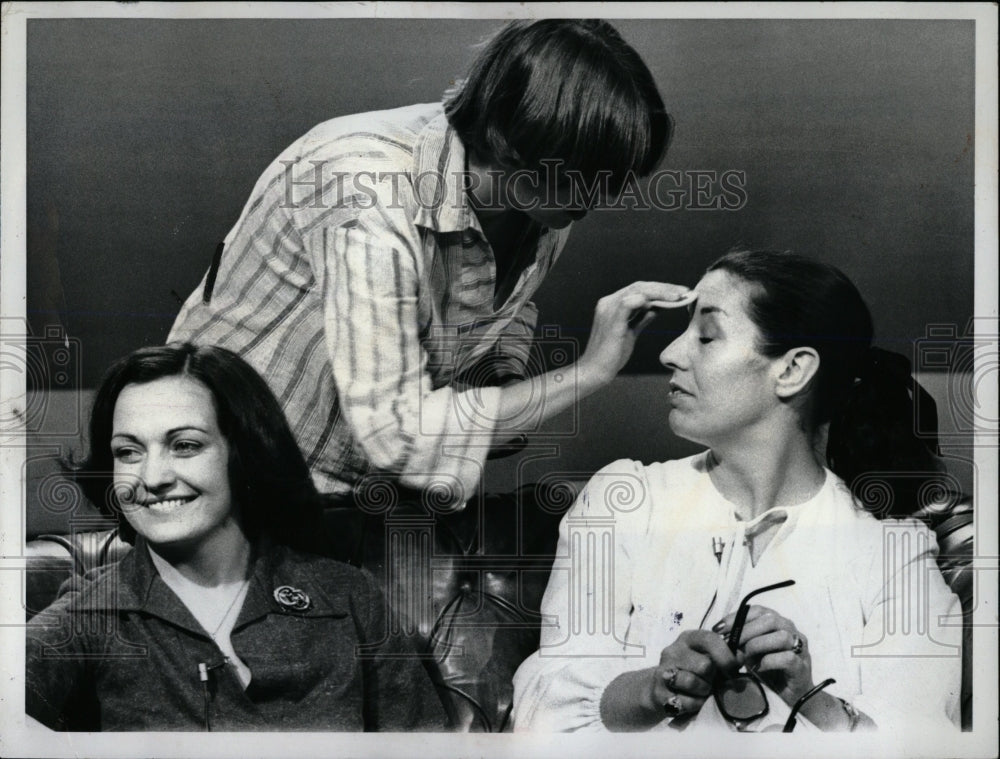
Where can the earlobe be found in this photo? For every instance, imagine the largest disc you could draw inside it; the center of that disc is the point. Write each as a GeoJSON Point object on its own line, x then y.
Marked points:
{"type": "Point", "coordinates": [796, 369]}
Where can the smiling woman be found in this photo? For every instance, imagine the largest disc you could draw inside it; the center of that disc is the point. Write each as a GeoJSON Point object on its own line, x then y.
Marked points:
{"type": "Point", "coordinates": [170, 468]}
{"type": "Point", "coordinates": [220, 617]}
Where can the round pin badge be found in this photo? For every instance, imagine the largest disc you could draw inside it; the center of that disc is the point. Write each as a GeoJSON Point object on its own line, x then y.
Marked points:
{"type": "Point", "coordinates": [292, 599]}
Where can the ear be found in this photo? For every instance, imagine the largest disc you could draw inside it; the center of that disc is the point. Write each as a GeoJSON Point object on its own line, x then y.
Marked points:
{"type": "Point", "coordinates": [795, 371]}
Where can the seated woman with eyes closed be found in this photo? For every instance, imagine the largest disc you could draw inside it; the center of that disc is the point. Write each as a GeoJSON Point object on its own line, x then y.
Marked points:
{"type": "Point", "coordinates": [746, 588]}
{"type": "Point", "coordinates": [220, 617]}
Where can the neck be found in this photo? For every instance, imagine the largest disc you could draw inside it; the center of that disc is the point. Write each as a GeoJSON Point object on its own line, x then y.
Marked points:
{"type": "Point", "coordinates": [488, 191]}
{"type": "Point", "coordinates": [223, 558]}
{"type": "Point", "coordinates": [766, 468]}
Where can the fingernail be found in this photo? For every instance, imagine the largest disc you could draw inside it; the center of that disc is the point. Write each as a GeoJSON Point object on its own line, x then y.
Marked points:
{"type": "Point", "coordinates": [719, 627]}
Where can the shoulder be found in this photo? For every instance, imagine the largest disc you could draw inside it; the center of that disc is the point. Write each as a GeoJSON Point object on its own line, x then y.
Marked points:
{"type": "Point", "coordinates": [628, 486]}
{"type": "Point", "coordinates": [388, 134]}
{"type": "Point", "coordinates": [846, 511]}
{"type": "Point", "coordinates": [613, 488]}
{"type": "Point", "coordinates": [83, 601]}
{"type": "Point", "coordinates": [865, 540]}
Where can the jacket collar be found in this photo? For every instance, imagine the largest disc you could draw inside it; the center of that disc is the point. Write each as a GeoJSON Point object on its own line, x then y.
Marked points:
{"type": "Point", "coordinates": [134, 585]}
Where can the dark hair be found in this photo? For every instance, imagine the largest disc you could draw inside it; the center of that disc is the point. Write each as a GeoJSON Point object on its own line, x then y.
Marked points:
{"type": "Point", "coordinates": [867, 394]}
{"type": "Point", "coordinates": [570, 90]}
{"type": "Point", "coordinates": [268, 476]}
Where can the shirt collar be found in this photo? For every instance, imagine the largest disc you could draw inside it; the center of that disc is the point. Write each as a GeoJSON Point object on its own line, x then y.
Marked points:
{"type": "Point", "coordinates": [762, 522]}
{"type": "Point", "coordinates": [788, 517]}
{"type": "Point", "coordinates": [440, 153]}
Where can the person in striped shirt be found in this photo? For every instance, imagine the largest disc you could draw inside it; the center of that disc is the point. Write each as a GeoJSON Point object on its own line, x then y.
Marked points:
{"type": "Point", "coordinates": [380, 276]}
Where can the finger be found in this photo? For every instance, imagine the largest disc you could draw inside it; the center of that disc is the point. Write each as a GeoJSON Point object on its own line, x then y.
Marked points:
{"type": "Point", "coordinates": [765, 623]}
{"type": "Point", "coordinates": [701, 666]}
{"type": "Point", "coordinates": [659, 290]}
{"type": "Point", "coordinates": [679, 655]}
{"type": "Point", "coordinates": [675, 703]}
{"type": "Point", "coordinates": [687, 682]}
{"type": "Point", "coordinates": [632, 300]}
{"type": "Point", "coordinates": [760, 645]}
{"type": "Point", "coordinates": [713, 646]}
{"type": "Point", "coordinates": [685, 300]}
{"type": "Point", "coordinates": [640, 319]}
{"type": "Point", "coordinates": [724, 627]}
{"type": "Point", "coordinates": [783, 661]}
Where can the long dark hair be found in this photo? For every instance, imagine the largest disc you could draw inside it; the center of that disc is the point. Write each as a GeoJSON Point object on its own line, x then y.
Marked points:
{"type": "Point", "coordinates": [569, 90]}
{"type": "Point", "coordinates": [866, 394]}
{"type": "Point", "coordinates": [268, 475]}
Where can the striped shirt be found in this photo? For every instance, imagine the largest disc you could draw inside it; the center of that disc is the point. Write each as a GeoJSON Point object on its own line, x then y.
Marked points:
{"type": "Point", "coordinates": [360, 285]}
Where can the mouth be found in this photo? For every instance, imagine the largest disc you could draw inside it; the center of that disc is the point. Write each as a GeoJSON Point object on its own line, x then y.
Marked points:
{"type": "Point", "coordinates": [677, 392]}
{"type": "Point", "coordinates": [166, 505]}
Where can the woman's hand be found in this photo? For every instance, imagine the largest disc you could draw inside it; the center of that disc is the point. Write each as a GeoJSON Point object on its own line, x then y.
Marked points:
{"type": "Point", "coordinates": [679, 684]}
{"type": "Point", "coordinates": [687, 670]}
{"type": "Point", "coordinates": [774, 649]}
{"type": "Point", "coordinates": [618, 320]}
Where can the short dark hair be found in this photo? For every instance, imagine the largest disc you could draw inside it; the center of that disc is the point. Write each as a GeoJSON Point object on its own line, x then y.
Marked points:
{"type": "Point", "coordinates": [570, 90]}
{"type": "Point", "coordinates": [268, 475]}
{"type": "Point", "coordinates": [867, 394]}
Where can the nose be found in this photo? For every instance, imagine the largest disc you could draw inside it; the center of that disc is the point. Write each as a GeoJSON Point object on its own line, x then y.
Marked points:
{"type": "Point", "coordinates": [672, 355]}
{"type": "Point", "coordinates": [157, 472]}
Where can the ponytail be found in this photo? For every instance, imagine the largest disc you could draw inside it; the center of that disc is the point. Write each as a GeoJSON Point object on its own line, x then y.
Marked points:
{"type": "Point", "coordinates": [868, 395]}
{"type": "Point", "coordinates": [873, 443]}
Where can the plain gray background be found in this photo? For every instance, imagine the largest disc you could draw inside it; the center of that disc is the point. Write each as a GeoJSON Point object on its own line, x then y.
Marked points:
{"type": "Point", "coordinates": [145, 137]}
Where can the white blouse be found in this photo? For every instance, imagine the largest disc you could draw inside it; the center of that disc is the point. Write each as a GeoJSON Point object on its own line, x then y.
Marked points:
{"type": "Point", "coordinates": [635, 567]}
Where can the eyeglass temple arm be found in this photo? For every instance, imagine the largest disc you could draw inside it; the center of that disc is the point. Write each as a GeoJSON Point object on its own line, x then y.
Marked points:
{"type": "Point", "coordinates": [790, 723]}
{"type": "Point", "coordinates": [741, 613]}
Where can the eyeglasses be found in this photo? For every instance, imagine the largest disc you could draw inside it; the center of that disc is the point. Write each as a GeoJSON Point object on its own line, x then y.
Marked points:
{"type": "Point", "coordinates": [741, 698]}
{"type": "Point", "coordinates": [791, 722]}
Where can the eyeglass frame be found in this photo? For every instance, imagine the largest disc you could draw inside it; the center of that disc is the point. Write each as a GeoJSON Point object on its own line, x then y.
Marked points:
{"type": "Point", "coordinates": [734, 640]}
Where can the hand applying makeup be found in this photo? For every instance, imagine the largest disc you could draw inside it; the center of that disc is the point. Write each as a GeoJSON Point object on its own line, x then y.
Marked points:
{"type": "Point", "coordinates": [618, 320]}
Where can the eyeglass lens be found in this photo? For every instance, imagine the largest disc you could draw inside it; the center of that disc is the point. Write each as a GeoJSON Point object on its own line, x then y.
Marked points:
{"type": "Point", "coordinates": [741, 697]}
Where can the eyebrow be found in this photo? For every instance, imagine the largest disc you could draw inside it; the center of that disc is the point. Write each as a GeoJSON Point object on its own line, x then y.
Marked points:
{"type": "Point", "coordinates": [172, 431]}
{"type": "Point", "coordinates": [706, 310]}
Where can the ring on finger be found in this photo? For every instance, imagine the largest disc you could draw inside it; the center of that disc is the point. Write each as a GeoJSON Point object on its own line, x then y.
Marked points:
{"type": "Point", "coordinates": [670, 676]}
{"type": "Point", "coordinates": [672, 707]}
{"type": "Point", "coordinates": [797, 645]}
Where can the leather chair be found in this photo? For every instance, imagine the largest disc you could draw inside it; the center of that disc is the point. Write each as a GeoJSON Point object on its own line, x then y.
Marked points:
{"type": "Point", "coordinates": [468, 585]}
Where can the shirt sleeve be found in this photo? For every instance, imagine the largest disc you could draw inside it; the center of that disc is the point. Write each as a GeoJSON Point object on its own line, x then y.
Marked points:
{"type": "Point", "coordinates": [586, 611]}
{"type": "Point", "coordinates": [55, 669]}
{"type": "Point", "coordinates": [399, 694]}
{"type": "Point", "coordinates": [512, 353]}
{"type": "Point", "coordinates": [910, 659]}
{"type": "Point", "coordinates": [431, 437]}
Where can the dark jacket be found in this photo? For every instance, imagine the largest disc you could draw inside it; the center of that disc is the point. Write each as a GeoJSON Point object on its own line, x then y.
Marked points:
{"type": "Point", "coordinates": [120, 651]}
